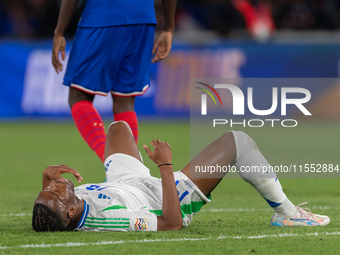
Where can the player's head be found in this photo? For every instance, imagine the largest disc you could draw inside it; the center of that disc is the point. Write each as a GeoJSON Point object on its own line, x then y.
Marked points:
{"type": "Point", "coordinates": [54, 207]}
{"type": "Point", "coordinates": [45, 219]}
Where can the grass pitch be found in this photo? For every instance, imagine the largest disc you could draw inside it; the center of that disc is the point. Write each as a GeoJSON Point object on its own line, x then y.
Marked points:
{"type": "Point", "coordinates": [236, 222]}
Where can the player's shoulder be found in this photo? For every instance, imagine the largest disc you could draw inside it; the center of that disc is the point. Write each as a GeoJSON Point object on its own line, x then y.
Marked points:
{"type": "Point", "coordinates": [90, 186]}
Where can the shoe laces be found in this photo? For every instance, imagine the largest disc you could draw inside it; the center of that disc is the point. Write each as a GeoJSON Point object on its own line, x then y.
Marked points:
{"type": "Point", "coordinates": [304, 212]}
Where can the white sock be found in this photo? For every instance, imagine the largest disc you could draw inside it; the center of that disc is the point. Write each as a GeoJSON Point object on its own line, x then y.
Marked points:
{"type": "Point", "coordinates": [267, 184]}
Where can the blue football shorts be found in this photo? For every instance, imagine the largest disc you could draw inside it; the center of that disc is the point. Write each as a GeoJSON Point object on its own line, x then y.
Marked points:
{"type": "Point", "coordinates": [111, 59]}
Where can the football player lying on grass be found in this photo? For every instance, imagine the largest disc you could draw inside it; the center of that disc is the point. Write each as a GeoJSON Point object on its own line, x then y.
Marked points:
{"type": "Point", "coordinates": [131, 199]}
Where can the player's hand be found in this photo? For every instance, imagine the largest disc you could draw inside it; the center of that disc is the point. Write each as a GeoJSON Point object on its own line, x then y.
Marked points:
{"type": "Point", "coordinates": [59, 44]}
{"type": "Point", "coordinates": [54, 172]}
{"type": "Point", "coordinates": [162, 152]}
{"type": "Point", "coordinates": [162, 46]}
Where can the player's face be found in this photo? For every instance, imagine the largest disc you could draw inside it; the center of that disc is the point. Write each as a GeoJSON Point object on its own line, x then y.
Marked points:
{"type": "Point", "coordinates": [59, 196]}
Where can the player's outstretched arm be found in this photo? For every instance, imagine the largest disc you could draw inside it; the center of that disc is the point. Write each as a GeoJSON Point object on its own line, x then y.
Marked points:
{"type": "Point", "coordinates": [59, 43]}
{"type": "Point", "coordinates": [171, 218]}
{"type": "Point", "coordinates": [53, 173]}
{"type": "Point", "coordinates": [163, 42]}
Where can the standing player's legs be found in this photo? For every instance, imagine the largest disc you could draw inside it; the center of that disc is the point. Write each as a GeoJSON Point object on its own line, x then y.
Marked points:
{"type": "Point", "coordinates": [119, 139]}
{"type": "Point", "coordinates": [88, 121]}
{"type": "Point", "coordinates": [133, 74]}
{"type": "Point", "coordinates": [124, 109]}
{"type": "Point", "coordinates": [237, 148]}
{"type": "Point", "coordinates": [90, 72]}
{"type": "Point", "coordinates": [97, 63]}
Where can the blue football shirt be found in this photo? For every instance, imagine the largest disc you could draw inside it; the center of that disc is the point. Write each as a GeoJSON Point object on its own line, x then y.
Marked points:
{"type": "Point", "coordinates": [104, 13]}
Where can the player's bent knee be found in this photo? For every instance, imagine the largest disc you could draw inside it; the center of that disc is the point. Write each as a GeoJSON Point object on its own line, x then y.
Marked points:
{"type": "Point", "coordinates": [242, 142]}
{"type": "Point", "coordinates": [240, 135]}
{"type": "Point", "coordinates": [76, 95]}
{"type": "Point", "coordinates": [178, 227]}
{"type": "Point", "coordinates": [226, 136]}
{"type": "Point", "coordinates": [118, 124]}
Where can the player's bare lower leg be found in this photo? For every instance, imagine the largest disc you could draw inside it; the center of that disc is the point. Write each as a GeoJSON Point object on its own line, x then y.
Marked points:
{"type": "Point", "coordinates": [223, 152]}
{"type": "Point", "coordinates": [88, 121]}
{"type": "Point", "coordinates": [237, 148]}
{"type": "Point", "coordinates": [76, 95]}
{"type": "Point", "coordinates": [124, 109]}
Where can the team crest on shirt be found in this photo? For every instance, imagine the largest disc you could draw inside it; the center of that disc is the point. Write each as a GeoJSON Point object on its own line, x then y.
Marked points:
{"type": "Point", "coordinates": [140, 224]}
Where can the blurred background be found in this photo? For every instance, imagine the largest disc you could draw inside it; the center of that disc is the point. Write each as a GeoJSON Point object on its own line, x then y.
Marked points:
{"type": "Point", "coordinates": [36, 19]}
{"type": "Point", "coordinates": [213, 39]}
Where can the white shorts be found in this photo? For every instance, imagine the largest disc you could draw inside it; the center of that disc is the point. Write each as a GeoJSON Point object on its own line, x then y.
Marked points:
{"type": "Point", "coordinates": [122, 168]}
{"type": "Point", "coordinates": [119, 166]}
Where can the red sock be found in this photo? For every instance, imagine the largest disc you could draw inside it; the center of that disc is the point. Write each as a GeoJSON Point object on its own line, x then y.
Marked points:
{"type": "Point", "coordinates": [131, 119]}
{"type": "Point", "coordinates": [90, 126]}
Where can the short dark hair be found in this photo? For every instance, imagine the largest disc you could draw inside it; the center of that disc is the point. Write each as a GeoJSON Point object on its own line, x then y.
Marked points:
{"type": "Point", "coordinates": [45, 219]}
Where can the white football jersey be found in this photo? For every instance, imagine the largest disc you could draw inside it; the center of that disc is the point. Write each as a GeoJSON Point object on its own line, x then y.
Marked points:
{"type": "Point", "coordinates": [118, 207]}
{"type": "Point", "coordinates": [131, 198]}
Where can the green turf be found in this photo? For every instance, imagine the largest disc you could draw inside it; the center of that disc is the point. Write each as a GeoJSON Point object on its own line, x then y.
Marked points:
{"type": "Point", "coordinates": [27, 148]}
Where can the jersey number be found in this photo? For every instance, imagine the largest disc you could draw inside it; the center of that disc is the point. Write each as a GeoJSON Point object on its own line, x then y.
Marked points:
{"type": "Point", "coordinates": [95, 187]}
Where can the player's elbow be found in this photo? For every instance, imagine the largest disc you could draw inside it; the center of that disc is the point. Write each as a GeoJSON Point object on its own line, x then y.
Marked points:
{"type": "Point", "coordinates": [178, 224]}
{"type": "Point", "coordinates": [179, 227]}
{"type": "Point", "coordinates": [173, 224]}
